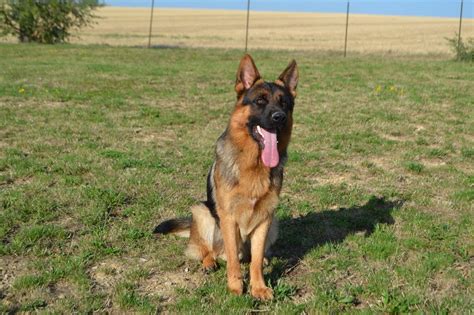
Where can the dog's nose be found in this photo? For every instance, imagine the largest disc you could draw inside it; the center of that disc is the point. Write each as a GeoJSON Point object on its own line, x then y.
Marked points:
{"type": "Point", "coordinates": [279, 117]}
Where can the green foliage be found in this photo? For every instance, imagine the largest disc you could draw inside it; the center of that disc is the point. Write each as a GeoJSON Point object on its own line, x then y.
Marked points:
{"type": "Point", "coordinates": [283, 290]}
{"type": "Point", "coordinates": [45, 21]}
{"type": "Point", "coordinates": [414, 167]}
{"type": "Point", "coordinates": [464, 50]}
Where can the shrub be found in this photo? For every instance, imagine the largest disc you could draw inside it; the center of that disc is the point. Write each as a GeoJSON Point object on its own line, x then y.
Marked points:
{"type": "Point", "coordinates": [464, 51]}
{"type": "Point", "coordinates": [45, 21]}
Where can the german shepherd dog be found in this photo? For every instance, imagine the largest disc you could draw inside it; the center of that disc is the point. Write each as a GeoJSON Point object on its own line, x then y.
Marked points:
{"type": "Point", "coordinates": [245, 180]}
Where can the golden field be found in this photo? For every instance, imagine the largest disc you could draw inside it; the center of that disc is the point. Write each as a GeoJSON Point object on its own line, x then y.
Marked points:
{"type": "Point", "coordinates": [273, 30]}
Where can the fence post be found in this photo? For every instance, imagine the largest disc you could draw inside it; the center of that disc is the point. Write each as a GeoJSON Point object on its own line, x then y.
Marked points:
{"type": "Point", "coordinates": [151, 22]}
{"type": "Point", "coordinates": [460, 22]}
{"type": "Point", "coordinates": [347, 26]}
{"type": "Point", "coordinates": [247, 28]}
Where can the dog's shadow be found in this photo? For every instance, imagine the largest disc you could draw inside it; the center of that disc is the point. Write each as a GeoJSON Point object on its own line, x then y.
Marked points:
{"type": "Point", "coordinates": [298, 236]}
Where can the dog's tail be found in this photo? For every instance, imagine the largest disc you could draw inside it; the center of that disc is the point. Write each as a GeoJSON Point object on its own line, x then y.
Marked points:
{"type": "Point", "coordinates": [180, 227]}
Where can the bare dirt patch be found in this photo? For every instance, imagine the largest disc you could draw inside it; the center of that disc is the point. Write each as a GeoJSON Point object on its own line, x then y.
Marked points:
{"type": "Point", "coordinates": [9, 182]}
{"type": "Point", "coordinates": [333, 179]}
{"type": "Point", "coordinates": [163, 138]}
{"type": "Point", "coordinates": [9, 102]}
{"type": "Point", "coordinates": [396, 137]}
{"type": "Point", "coordinates": [10, 269]}
{"type": "Point", "coordinates": [433, 162]}
{"type": "Point", "coordinates": [162, 284]}
{"type": "Point", "coordinates": [442, 286]}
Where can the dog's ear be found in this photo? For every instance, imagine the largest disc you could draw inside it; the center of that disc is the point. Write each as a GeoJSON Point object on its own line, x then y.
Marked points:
{"type": "Point", "coordinates": [247, 74]}
{"type": "Point", "coordinates": [289, 77]}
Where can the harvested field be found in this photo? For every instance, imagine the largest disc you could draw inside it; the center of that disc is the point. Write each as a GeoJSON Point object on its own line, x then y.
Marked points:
{"type": "Point", "coordinates": [274, 30]}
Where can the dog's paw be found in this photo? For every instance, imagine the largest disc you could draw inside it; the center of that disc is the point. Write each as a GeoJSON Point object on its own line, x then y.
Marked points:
{"type": "Point", "coordinates": [236, 287]}
{"type": "Point", "coordinates": [209, 265]}
{"type": "Point", "coordinates": [209, 268]}
{"type": "Point", "coordinates": [262, 293]}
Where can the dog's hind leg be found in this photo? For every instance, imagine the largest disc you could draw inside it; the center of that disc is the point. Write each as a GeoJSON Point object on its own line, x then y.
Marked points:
{"type": "Point", "coordinates": [205, 241]}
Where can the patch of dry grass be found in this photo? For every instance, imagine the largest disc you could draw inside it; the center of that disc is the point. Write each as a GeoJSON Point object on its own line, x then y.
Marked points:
{"type": "Point", "coordinates": [274, 30]}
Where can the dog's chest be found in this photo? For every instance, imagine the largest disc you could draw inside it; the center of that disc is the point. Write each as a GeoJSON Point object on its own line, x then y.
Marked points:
{"type": "Point", "coordinates": [256, 210]}
{"type": "Point", "coordinates": [254, 185]}
{"type": "Point", "coordinates": [248, 220]}
{"type": "Point", "coordinates": [252, 202]}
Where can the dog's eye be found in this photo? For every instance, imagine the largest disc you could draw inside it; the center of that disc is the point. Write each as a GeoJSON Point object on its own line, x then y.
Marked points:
{"type": "Point", "coordinates": [261, 101]}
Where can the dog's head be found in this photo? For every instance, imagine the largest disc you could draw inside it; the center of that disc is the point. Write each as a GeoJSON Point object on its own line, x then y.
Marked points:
{"type": "Point", "coordinates": [270, 107]}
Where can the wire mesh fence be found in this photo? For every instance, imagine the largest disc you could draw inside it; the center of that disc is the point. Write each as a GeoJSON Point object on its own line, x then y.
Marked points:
{"type": "Point", "coordinates": [396, 26]}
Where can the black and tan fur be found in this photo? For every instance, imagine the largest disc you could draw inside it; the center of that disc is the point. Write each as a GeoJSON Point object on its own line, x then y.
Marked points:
{"type": "Point", "coordinates": [242, 192]}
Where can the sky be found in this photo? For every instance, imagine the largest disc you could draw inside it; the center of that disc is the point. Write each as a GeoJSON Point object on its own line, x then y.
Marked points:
{"type": "Point", "coordinates": [435, 8]}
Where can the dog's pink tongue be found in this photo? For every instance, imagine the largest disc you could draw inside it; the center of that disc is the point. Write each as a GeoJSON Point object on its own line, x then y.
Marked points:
{"type": "Point", "coordinates": [270, 155]}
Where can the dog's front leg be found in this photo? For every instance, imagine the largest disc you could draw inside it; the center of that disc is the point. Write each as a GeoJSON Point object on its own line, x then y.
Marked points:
{"type": "Point", "coordinates": [231, 236]}
{"type": "Point", "coordinates": [257, 242]}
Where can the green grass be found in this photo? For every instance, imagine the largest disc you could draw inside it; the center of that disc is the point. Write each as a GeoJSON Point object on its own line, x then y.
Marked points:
{"type": "Point", "coordinates": [99, 144]}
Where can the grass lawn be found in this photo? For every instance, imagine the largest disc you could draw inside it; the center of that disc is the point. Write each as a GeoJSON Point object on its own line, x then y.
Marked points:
{"type": "Point", "coordinates": [99, 144]}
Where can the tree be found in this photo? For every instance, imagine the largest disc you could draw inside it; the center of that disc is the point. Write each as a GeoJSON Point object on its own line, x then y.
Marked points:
{"type": "Point", "coordinates": [45, 21]}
